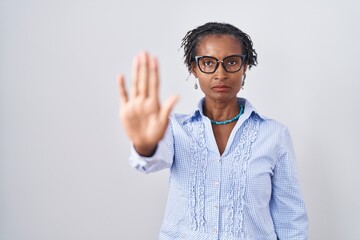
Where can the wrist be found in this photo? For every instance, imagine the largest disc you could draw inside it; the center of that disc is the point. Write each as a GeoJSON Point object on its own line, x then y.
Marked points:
{"type": "Point", "coordinates": [145, 151]}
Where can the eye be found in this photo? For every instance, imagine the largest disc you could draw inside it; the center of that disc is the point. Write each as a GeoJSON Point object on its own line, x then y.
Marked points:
{"type": "Point", "coordinates": [232, 61]}
{"type": "Point", "coordinates": [208, 62]}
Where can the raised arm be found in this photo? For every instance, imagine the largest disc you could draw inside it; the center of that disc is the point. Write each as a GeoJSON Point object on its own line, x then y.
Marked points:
{"type": "Point", "coordinates": [143, 117]}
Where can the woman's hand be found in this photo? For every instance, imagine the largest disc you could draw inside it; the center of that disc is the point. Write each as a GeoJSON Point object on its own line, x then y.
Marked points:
{"type": "Point", "coordinates": [144, 119]}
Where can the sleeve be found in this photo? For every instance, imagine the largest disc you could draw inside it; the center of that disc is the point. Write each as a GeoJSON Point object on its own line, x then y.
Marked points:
{"type": "Point", "coordinates": [162, 158]}
{"type": "Point", "coordinates": [287, 205]}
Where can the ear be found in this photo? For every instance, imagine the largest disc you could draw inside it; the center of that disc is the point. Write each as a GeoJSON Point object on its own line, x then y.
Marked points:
{"type": "Point", "coordinates": [245, 68]}
{"type": "Point", "coordinates": [193, 70]}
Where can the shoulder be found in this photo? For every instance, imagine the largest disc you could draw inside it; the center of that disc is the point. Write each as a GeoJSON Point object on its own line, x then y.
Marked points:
{"type": "Point", "coordinates": [181, 122]}
{"type": "Point", "coordinates": [255, 114]}
{"type": "Point", "coordinates": [272, 129]}
{"type": "Point", "coordinates": [183, 119]}
{"type": "Point", "coordinates": [180, 118]}
{"type": "Point", "coordinates": [269, 127]}
{"type": "Point", "coordinates": [272, 124]}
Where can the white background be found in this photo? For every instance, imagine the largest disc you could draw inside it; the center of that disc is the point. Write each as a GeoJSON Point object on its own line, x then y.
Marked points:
{"type": "Point", "coordinates": [63, 154]}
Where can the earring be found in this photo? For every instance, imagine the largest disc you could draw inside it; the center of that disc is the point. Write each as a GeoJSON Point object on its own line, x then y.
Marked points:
{"type": "Point", "coordinates": [195, 85]}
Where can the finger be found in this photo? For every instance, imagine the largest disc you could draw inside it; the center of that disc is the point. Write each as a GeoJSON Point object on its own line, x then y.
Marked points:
{"type": "Point", "coordinates": [167, 108]}
{"type": "Point", "coordinates": [123, 96]}
{"type": "Point", "coordinates": [143, 75]}
{"type": "Point", "coordinates": [135, 78]}
{"type": "Point", "coordinates": [154, 79]}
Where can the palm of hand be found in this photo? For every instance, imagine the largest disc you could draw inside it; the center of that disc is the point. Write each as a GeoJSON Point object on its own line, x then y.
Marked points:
{"type": "Point", "coordinates": [142, 121]}
{"type": "Point", "coordinates": [143, 117]}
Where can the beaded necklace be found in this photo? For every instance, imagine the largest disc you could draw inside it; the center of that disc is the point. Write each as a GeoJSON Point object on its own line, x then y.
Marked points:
{"type": "Point", "coordinates": [229, 120]}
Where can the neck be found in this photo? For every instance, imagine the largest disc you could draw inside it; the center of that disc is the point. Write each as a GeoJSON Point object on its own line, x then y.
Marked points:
{"type": "Point", "coordinates": [221, 111]}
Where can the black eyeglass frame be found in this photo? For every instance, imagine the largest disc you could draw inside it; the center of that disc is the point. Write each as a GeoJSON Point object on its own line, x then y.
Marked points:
{"type": "Point", "coordinates": [242, 56]}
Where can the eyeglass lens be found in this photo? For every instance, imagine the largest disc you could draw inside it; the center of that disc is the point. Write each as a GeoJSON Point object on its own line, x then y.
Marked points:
{"type": "Point", "coordinates": [210, 64]}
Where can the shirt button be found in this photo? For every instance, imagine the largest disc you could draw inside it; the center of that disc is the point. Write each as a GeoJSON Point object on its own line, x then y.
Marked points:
{"type": "Point", "coordinates": [215, 231]}
{"type": "Point", "coordinates": [216, 207]}
{"type": "Point", "coordinates": [217, 183]}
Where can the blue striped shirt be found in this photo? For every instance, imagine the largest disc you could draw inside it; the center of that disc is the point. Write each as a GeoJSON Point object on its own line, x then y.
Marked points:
{"type": "Point", "coordinates": [249, 192]}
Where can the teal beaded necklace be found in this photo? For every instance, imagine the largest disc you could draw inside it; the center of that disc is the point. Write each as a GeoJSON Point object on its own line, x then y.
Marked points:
{"type": "Point", "coordinates": [229, 120]}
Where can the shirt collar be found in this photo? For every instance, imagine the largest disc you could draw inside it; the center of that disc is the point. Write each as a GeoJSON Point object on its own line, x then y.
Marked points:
{"type": "Point", "coordinates": [199, 113]}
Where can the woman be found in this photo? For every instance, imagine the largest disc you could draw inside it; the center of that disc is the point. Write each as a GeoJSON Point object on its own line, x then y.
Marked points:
{"type": "Point", "coordinates": [233, 173]}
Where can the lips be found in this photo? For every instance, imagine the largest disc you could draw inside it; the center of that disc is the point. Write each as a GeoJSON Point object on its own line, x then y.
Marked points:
{"type": "Point", "coordinates": [221, 88]}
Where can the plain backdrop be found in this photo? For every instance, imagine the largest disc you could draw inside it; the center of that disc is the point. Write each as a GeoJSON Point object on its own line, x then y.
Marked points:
{"type": "Point", "coordinates": [64, 170]}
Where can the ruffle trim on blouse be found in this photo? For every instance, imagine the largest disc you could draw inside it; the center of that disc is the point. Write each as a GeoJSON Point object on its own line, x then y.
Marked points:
{"type": "Point", "coordinates": [235, 207]}
{"type": "Point", "coordinates": [199, 153]}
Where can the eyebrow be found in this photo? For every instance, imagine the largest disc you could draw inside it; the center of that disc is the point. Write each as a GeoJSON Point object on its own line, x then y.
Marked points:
{"type": "Point", "coordinates": [231, 55]}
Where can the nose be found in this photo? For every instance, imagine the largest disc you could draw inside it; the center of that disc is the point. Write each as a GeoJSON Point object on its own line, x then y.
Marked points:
{"type": "Point", "coordinates": [220, 71]}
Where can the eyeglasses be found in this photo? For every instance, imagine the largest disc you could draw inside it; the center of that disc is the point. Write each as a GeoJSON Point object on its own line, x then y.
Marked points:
{"type": "Point", "coordinates": [231, 63]}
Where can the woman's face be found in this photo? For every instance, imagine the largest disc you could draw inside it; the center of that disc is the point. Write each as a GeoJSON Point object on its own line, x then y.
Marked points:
{"type": "Point", "coordinates": [220, 86]}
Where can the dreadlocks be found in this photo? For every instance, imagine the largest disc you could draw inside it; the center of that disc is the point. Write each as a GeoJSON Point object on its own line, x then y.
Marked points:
{"type": "Point", "coordinates": [192, 38]}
